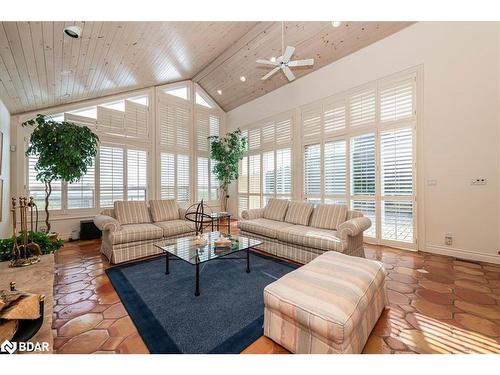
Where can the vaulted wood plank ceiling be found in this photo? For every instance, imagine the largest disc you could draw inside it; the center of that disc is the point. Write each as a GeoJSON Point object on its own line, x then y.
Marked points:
{"type": "Point", "coordinates": [40, 67]}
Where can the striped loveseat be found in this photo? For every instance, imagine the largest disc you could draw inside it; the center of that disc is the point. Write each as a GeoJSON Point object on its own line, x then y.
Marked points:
{"type": "Point", "coordinates": [301, 231]}
{"type": "Point", "coordinates": [130, 229]}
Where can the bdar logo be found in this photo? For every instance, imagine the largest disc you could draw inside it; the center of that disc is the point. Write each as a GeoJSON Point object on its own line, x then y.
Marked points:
{"type": "Point", "coordinates": [8, 347]}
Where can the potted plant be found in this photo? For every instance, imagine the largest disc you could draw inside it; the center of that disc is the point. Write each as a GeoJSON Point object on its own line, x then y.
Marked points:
{"type": "Point", "coordinates": [65, 151]}
{"type": "Point", "coordinates": [227, 152]}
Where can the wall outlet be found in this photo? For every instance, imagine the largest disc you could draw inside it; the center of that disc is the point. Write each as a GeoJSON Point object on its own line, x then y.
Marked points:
{"type": "Point", "coordinates": [448, 239]}
{"type": "Point", "coordinates": [478, 181]}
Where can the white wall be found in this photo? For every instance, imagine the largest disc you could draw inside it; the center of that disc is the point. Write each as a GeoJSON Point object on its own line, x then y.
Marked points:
{"type": "Point", "coordinates": [459, 130]}
{"type": "Point", "coordinates": [5, 229]}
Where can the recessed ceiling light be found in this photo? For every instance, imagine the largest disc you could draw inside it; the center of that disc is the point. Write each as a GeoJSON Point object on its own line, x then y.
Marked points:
{"type": "Point", "coordinates": [336, 23]}
{"type": "Point", "coordinates": [272, 59]}
{"type": "Point", "coordinates": [73, 31]}
{"type": "Point", "coordinates": [243, 79]}
{"type": "Point", "coordinates": [219, 92]}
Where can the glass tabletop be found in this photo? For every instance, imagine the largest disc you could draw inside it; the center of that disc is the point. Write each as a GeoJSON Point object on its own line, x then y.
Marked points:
{"type": "Point", "coordinates": [187, 249]}
{"type": "Point", "coordinates": [217, 215]}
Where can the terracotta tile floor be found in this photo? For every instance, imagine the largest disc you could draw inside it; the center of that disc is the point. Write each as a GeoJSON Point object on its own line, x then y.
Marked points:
{"type": "Point", "coordinates": [438, 305]}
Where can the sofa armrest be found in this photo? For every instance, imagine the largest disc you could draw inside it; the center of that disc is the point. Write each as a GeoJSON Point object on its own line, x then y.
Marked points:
{"type": "Point", "coordinates": [105, 223]}
{"type": "Point", "coordinates": [353, 227]}
{"type": "Point", "coordinates": [252, 214]}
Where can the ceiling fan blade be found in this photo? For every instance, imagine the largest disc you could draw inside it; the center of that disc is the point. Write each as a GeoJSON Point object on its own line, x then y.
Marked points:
{"type": "Point", "coordinates": [305, 62]}
{"type": "Point", "coordinates": [288, 73]}
{"type": "Point", "coordinates": [270, 73]}
{"type": "Point", "coordinates": [288, 53]}
{"type": "Point", "coordinates": [267, 62]}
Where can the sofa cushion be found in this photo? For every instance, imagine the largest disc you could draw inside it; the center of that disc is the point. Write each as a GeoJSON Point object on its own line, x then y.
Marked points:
{"type": "Point", "coordinates": [164, 210]}
{"type": "Point", "coordinates": [316, 238]}
{"type": "Point", "coordinates": [263, 227]}
{"type": "Point", "coordinates": [175, 227]}
{"type": "Point", "coordinates": [136, 232]}
{"type": "Point", "coordinates": [132, 212]}
{"type": "Point", "coordinates": [276, 209]}
{"type": "Point", "coordinates": [336, 296]}
{"type": "Point", "coordinates": [299, 213]}
{"type": "Point", "coordinates": [328, 216]}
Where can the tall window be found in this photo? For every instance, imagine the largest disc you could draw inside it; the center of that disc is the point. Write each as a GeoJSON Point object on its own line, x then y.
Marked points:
{"type": "Point", "coordinates": [358, 149]}
{"type": "Point", "coordinates": [174, 176]}
{"type": "Point", "coordinates": [122, 166]}
{"type": "Point", "coordinates": [267, 170]}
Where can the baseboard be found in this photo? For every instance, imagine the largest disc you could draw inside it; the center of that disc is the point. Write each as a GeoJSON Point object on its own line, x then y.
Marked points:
{"type": "Point", "coordinates": [463, 254]}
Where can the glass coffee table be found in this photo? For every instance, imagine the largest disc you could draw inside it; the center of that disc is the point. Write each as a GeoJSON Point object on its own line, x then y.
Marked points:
{"type": "Point", "coordinates": [186, 249]}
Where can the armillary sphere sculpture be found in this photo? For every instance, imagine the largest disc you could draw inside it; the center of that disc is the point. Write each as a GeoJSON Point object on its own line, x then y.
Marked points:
{"type": "Point", "coordinates": [199, 216]}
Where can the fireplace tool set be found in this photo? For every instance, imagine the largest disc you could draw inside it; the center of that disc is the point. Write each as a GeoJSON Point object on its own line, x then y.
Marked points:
{"type": "Point", "coordinates": [25, 251]}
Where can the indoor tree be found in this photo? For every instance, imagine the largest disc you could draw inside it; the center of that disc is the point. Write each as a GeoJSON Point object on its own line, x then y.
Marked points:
{"type": "Point", "coordinates": [227, 151]}
{"type": "Point", "coordinates": [64, 150]}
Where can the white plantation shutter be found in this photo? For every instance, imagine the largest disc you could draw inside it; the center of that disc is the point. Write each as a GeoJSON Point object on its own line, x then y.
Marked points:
{"type": "Point", "coordinates": [396, 100]}
{"type": "Point", "coordinates": [111, 181]}
{"type": "Point", "coordinates": [311, 123]}
{"type": "Point", "coordinates": [183, 173]}
{"type": "Point", "coordinates": [136, 120]}
{"type": "Point", "coordinates": [268, 174]}
{"type": "Point", "coordinates": [202, 130]}
{"type": "Point", "coordinates": [362, 108]}
{"type": "Point", "coordinates": [167, 176]}
{"type": "Point", "coordinates": [335, 168]}
{"type": "Point", "coordinates": [89, 122]}
{"type": "Point", "coordinates": [284, 171]}
{"type": "Point", "coordinates": [367, 207]}
{"type": "Point", "coordinates": [254, 139]}
{"type": "Point", "coordinates": [268, 135]}
{"type": "Point", "coordinates": [243, 176]}
{"type": "Point", "coordinates": [214, 125]}
{"type": "Point", "coordinates": [334, 116]}
{"type": "Point", "coordinates": [36, 189]}
{"type": "Point", "coordinates": [284, 131]}
{"type": "Point", "coordinates": [203, 176]}
{"type": "Point", "coordinates": [110, 121]}
{"type": "Point", "coordinates": [396, 157]}
{"type": "Point", "coordinates": [363, 165]}
{"type": "Point", "coordinates": [312, 170]}
{"type": "Point", "coordinates": [242, 204]}
{"type": "Point", "coordinates": [254, 174]}
{"type": "Point", "coordinates": [174, 122]}
{"type": "Point", "coordinates": [81, 194]}
{"type": "Point", "coordinates": [136, 175]}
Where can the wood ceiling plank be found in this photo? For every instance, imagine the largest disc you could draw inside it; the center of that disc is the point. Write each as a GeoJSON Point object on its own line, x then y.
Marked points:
{"type": "Point", "coordinates": [48, 57]}
{"type": "Point", "coordinates": [36, 36]}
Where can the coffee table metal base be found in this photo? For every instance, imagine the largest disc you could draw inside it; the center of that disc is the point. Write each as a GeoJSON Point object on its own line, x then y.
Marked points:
{"type": "Point", "coordinates": [197, 266]}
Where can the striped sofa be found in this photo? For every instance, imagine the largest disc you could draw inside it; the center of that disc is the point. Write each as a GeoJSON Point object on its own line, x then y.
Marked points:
{"type": "Point", "coordinates": [329, 305]}
{"type": "Point", "coordinates": [130, 229]}
{"type": "Point", "coordinates": [301, 231]}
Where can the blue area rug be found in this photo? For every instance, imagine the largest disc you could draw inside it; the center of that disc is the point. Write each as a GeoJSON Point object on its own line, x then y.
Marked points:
{"type": "Point", "coordinates": [225, 318]}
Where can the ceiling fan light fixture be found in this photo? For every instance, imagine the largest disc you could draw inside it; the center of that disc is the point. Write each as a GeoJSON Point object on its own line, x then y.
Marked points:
{"type": "Point", "coordinates": [336, 23]}
{"type": "Point", "coordinates": [74, 32]}
{"type": "Point", "coordinates": [272, 59]}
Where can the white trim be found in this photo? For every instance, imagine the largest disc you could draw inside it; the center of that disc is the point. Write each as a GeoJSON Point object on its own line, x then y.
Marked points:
{"type": "Point", "coordinates": [462, 254]}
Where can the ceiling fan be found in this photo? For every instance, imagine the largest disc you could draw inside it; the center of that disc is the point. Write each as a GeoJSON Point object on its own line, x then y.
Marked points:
{"type": "Point", "coordinates": [283, 62]}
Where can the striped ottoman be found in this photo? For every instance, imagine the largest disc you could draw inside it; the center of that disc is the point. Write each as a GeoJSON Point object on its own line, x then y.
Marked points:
{"type": "Point", "coordinates": [329, 305]}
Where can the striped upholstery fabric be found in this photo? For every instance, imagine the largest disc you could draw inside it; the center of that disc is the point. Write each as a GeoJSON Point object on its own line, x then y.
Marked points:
{"type": "Point", "coordinates": [163, 210]}
{"type": "Point", "coordinates": [108, 212]}
{"type": "Point", "coordinates": [353, 214]}
{"type": "Point", "coordinates": [328, 216]}
{"type": "Point", "coordinates": [329, 305]}
{"type": "Point", "coordinates": [136, 232]}
{"type": "Point", "coordinates": [276, 209]}
{"type": "Point", "coordinates": [104, 222]}
{"type": "Point", "coordinates": [299, 213]}
{"type": "Point", "coordinates": [132, 212]}
{"type": "Point", "coordinates": [174, 227]}
{"type": "Point", "coordinates": [254, 213]}
{"type": "Point", "coordinates": [265, 227]}
{"type": "Point", "coordinates": [353, 227]}
{"type": "Point", "coordinates": [322, 239]}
